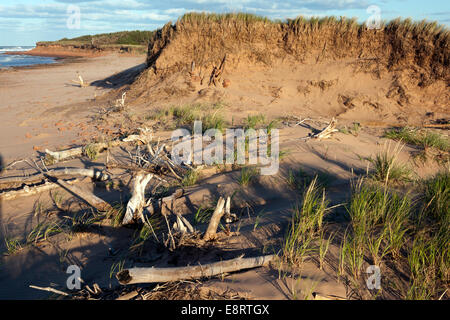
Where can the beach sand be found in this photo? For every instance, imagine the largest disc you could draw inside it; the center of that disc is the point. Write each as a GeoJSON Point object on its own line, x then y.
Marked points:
{"type": "Point", "coordinates": [42, 108]}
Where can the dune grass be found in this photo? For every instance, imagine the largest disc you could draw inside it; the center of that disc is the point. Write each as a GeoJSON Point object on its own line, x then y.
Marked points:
{"type": "Point", "coordinates": [401, 26]}
{"type": "Point", "coordinates": [190, 178]}
{"type": "Point", "coordinates": [421, 138]}
{"type": "Point", "coordinates": [387, 167]}
{"type": "Point", "coordinates": [407, 231]}
{"type": "Point", "coordinates": [247, 176]}
{"type": "Point", "coordinates": [186, 115]}
{"type": "Point", "coordinates": [254, 121]}
{"type": "Point", "coordinates": [306, 224]}
{"type": "Point", "coordinates": [12, 245]}
{"type": "Point", "coordinates": [299, 179]}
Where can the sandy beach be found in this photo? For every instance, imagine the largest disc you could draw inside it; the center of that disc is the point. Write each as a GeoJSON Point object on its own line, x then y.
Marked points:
{"type": "Point", "coordinates": [89, 178]}
{"type": "Point", "coordinates": [42, 108]}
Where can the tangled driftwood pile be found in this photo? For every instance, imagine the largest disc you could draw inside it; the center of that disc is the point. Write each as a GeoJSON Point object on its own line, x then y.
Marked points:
{"type": "Point", "coordinates": [153, 162]}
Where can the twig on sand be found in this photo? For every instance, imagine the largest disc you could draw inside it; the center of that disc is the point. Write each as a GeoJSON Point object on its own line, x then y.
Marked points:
{"type": "Point", "coordinates": [49, 289]}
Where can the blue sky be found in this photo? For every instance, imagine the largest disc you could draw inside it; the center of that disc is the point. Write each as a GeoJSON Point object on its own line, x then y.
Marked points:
{"type": "Point", "coordinates": [23, 22]}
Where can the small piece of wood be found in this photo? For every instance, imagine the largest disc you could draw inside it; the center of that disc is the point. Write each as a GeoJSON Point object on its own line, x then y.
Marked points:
{"type": "Point", "coordinates": [228, 216]}
{"type": "Point", "coordinates": [145, 136]}
{"type": "Point", "coordinates": [154, 206]}
{"type": "Point", "coordinates": [49, 289]}
{"type": "Point", "coordinates": [154, 275]}
{"type": "Point", "coordinates": [326, 132]}
{"type": "Point", "coordinates": [215, 220]}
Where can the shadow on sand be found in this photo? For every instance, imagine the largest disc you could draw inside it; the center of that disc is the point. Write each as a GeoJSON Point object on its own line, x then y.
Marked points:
{"type": "Point", "coordinates": [122, 78]}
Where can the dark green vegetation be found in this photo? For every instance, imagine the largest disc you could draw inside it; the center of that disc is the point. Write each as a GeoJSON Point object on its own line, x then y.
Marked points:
{"type": "Point", "coordinates": [116, 38]}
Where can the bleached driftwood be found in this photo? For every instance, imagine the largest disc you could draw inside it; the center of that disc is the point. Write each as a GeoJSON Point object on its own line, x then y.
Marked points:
{"type": "Point", "coordinates": [154, 275]}
{"type": "Point", "coordinates": [57, 156]}
{"type": "Point", "coordinates": [80, 81]}
{"type": "Point", "coordinates": [29, 191]}
{"type": "Point", "coordinates": [49, 289]}
{"type": "Point", "coordinates": [328, 131]}
{"type": "Point", "coordinates": [86, 196]}
{"type": "Point", "coordinates": [137, 202]}
{"type": "Point", "coordinates": [120, 103]}
{"type": "Point", "coordinates": [58, 172]}
{"type": "Point", "coordinates": [215, 220]}
{"type": "Point", "coordinates": [186, 223]}
{"type": "Point", "coordinates": [145, 136]}
{"type": "Point", "coordinates": [228, 216]}
{"type": "Point", "coordinates": [179, 225]}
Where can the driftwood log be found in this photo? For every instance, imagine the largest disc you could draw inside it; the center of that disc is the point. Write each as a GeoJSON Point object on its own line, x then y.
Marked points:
{"type": "Point", "coordinates": [154, 275]}
{"type": "Point", "coordinates": [57, 156]}
{"type": "Point", "coordinates": [29, 191]}
{"type": "Point", "coordinates": [95, 174]}
{"type": "Point", "coordinates": [49, 289]}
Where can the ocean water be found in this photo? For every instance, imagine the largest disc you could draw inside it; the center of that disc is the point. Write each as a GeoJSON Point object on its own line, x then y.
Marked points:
{"type": "Point", "coordinates": [7, 60]}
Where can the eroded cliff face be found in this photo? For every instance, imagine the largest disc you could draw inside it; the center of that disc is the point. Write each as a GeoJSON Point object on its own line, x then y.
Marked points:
{"type": "Point", "coordinates": [392, 73]}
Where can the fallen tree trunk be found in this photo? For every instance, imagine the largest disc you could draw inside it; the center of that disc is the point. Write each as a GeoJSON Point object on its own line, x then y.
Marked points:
{"type": "Point", "coordinates": [153, 275]}
{"type": "Point", "coordinates": [55, 173]}
{"type": "Point", "coordinates": [29, 191]}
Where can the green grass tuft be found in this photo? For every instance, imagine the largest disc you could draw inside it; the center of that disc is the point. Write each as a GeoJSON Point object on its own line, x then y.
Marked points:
{"type": "Point", "coordinates": [248, 174]}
